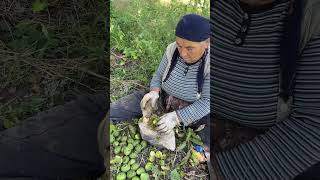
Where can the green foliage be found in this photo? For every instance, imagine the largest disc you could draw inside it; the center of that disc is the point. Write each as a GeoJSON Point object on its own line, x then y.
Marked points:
{"type": "Point", "coordinates": [53, 50]}
{"type": "Point", "coordinates": [141, 30]}
{"type": "Point", "coordinates": [174, 175]}
{"type": "Point", "coordinates": [39, 5]}
{"type": "Point", "coordinates": [38, 38]}
{"type": "Point", "coordinates": [32, 36]}
{"type": "Point", "coordinates": [158, 163]}
{"type": "Point", "coordinates": [13, 114]}
{"type": "Point", "coordinates": [145, 28]}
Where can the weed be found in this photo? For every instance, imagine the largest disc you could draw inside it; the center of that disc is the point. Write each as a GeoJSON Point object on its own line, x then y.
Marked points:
{"type": "Point", "coordinates": [50, 52]}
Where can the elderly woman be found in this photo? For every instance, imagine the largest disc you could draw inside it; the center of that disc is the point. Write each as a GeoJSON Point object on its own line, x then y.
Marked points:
{"type": "Point", "coordinates": [181, 83]}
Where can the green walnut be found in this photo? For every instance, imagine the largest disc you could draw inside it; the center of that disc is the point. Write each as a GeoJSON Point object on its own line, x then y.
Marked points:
{"type": "Point", "coordinates": [125, 168]}
{"type": "Point", "coordinates": [159, 154]}
{"type": "Point", "coordinates": [117, 160]}
{"type": "Point", "coordinates": [118, 138]}
{"type": "Point", "coordinates": [140, 170]}
{"type": "Point", "coordinates": [151, 158]}
{"type": "Point", "coordinates": [126, 159]}
{"type": "Point", "coordinates": [127, 151]}
{"type": "Point", "coordinates": [165, 168]}
{"type": "Point", "coordinates": [130, 146]}
{"type": "Point", "coordinates": [132, 161]}
{"type": "Point", "coordinates": [138, 148]}
{"type": "Point", "coordinates": [133, 155]}
{"type": "Point", "coordinates": [135, 166]}
{"type": "Point", "coordinates": [137, 136]}
{"type": "Point", "coordinates": [121, 176]}
{"type": "Point", "coordinates": [132, 130]}
{"type": "Point", "coordinates": [131, 174]}
{"type": "Point", "coordinates": [144, 176]}
{"type": "Point", "coordinates": [112, 139]}
{"type": "Point", "coordinates": [161, 162]}
{"type": "Point", "coordinates": [117, 149]}
{"type": "Point", "coordinates": [148, 166]}
{"type": "Point", "coordinates": [116, 143]}
{"type": "Point", "coordinates": [123, 144]}
{"type": "Point", "coordinates": [130, 140]}
{"type": "Point", "coordinates": [124, 138]}
{"type": "Point", "coordinates": [152, 153]}
{"type": "Point", "coordinates": [153, 122]}
{"type": "Point", "coordinates": [144, 143]}
{"type": "Point", "coordinates": [136, 142]}
{"type": "Point", "coordinates": [116, 134]}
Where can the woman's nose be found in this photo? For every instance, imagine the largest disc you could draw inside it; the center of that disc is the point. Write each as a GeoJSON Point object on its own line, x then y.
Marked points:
{"type": "Point", "coordinates": [183, 53]}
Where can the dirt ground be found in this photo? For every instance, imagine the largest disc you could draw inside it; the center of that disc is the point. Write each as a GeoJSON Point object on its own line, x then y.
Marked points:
{"type": "Point", "coordinates": [49, 57]}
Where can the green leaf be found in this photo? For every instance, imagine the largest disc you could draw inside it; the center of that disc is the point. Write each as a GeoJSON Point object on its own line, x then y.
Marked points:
{"type": "Point", "coordinates": [38, 5]}
{"type": "Point", "coordinates": [112, 128]}
{"type": "Point", "coordinates": [174, 175]}
{"type": "Point", "coordinates": [132, 130]}
{"type": "Point", "coordinates": [196, 141]}
{"type": "Point", "coordinates": [189, 133]}
{"type": "Point", "coordinates": [186, 158]}
{"type": "Point", "coordinates": [155, 172]}
{"type": "Point", "coordinates": [182, 146]}
{"type": "Point", "coordinates": [8, 123]}
{"type": "Point", "coordinates": [195, 136]}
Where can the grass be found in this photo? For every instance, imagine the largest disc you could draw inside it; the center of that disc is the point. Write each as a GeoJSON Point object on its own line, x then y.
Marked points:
{"type": "Point", "coordinates": [139, 34]}
{"type": "Point", "coordinates": [49, 54]}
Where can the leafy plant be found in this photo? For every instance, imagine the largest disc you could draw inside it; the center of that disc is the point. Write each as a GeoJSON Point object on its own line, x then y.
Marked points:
{"type": "Point", "coordinates": [127, 149]}
{"type": "Point", "coordinates": [140, 32]}
{"type": "Point", "coordinates": [174, 175]}
{"type": "Point", "coordinates": [39, 5]}
{"type": "Point", "coordinates": [12, 115]}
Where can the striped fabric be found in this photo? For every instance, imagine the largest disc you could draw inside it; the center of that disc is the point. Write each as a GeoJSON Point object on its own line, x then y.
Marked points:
{"type": "Point", "coordinates": [184, 86]}
{"type": "Point", "coordinates": [244, 89]}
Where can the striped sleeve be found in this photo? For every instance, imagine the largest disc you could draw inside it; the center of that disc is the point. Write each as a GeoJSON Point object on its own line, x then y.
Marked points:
{"type": "Point", "coordinates": [156, 79]}
{"type": "Point", "coordinates": [291, 146]}
{"type": "Point", "coordinates": [199, 108]}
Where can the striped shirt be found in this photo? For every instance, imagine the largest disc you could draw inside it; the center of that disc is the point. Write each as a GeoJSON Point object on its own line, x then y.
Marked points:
{"type": "Point", "coordinates": [245, 87]}
{"type": "Point", "coordinates": [182, 84]}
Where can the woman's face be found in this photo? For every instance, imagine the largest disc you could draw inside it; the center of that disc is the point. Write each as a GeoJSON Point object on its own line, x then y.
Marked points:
{"type": "Point", "coordinates": [191, 51]}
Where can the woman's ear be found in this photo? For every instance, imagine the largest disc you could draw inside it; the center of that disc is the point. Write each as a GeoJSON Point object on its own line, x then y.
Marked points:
{"type": "Point", "coordinates": [207, 43]}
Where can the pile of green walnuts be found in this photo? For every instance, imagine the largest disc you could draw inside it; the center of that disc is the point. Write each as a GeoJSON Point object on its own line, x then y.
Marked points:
{"type": "Point", "coordinates": [132, 157]}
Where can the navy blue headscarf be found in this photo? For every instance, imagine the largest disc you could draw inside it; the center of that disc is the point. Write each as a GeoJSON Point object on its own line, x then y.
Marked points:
{"type": "Point", "coordinates": [193, 27]}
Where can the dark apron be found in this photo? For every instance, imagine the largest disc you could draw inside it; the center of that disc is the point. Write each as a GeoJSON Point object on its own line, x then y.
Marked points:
{"type": "Point", "coordinates": [170, 103]}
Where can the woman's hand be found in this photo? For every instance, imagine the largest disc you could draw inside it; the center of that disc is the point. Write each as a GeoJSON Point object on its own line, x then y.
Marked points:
{"type": "Point", "coordinates": [149, 103]}
{"type": "Point", "coordinates": [168, 122]}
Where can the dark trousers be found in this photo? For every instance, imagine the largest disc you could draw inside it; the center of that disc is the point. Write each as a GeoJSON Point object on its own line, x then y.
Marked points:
{"type": "Point", "coordinates": [60, 143]}
{"type": "Point", "coordinates": [128, 108]}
